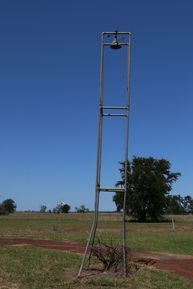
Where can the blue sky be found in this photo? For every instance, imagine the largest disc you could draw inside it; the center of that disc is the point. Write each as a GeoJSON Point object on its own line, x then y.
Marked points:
{"type": "Point", "coordinates": [49, 87]}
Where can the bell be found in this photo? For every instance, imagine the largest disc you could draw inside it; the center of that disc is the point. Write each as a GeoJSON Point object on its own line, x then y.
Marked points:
{"type": "Point", "coordinates": [115, 44]}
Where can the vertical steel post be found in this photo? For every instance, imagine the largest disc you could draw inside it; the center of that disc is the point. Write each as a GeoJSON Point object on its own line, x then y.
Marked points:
{"type": "Point", "coordinates": [125, 257]}
{"type": "Point", "coordinates": [99, 148]}
{"type": "Point", "coordinates": [91, 238]}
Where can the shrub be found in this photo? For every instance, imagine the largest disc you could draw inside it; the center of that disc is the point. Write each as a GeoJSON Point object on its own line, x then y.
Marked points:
{"type": "Point", "coordinates": [110, 256]}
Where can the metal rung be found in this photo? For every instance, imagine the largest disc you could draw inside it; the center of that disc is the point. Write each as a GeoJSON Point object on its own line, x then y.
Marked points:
{"type": "Point", "coordinates": [115, 107]}
{"type": "Point", "coordinates": [117, 32]}
{"type": "Point", "coordinates": [122, 44]}
{"type": "Point", "coordinates": [114, 190]}
{"type": "Point", "coordinates": [115, 114]}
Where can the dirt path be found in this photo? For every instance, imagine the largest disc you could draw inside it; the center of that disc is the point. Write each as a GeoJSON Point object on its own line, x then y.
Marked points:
{"type": "Point", "coordinates": [50, 244]}
{"type": "Point", "coordinates": [179, 264]}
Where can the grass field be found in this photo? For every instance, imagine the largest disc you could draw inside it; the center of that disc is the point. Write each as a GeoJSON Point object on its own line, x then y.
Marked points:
{"type": "Point", "coordinates": [34, 268]}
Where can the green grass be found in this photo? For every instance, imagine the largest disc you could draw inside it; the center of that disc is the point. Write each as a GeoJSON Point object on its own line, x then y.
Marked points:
{"type": "Point", "coordinates": [76, 227]}
{"type": "Point", "coordinates": [35, 268]}
{"type": "Point", "coordinates": [46, 226]}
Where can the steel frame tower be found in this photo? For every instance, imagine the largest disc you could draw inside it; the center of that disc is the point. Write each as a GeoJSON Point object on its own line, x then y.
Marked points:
{"type": "Point", "coordinates": [116, 44]}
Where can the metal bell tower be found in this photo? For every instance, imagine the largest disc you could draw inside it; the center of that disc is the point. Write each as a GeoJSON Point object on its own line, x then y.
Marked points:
{"type": "Point", "coordinates": [122, 111]}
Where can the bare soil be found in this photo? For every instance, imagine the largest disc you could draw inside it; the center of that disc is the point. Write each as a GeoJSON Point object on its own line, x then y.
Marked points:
{"type": "Point", "coordinates": [49, 244]}
{"type": "Point", "coordinates": [181, 265]}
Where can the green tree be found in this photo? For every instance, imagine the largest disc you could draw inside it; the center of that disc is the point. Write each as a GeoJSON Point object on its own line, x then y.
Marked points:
{"type": "Point", "coordinates": [82, 209]}
{"type": "Point", "coordinates": [175, 205]}
{"type": "Point", "coordinates": [188, 204]}
{"type": "Point", "coordinates": [62, 208]}
{"type": "Point", "coordinates": [2, 210]}
{"type": "Point", "coordinates": [9, 205]}
{"type": "Point", "coordinates": [43, 208]}
{"type": "Point", "coordinates": [149, 181]}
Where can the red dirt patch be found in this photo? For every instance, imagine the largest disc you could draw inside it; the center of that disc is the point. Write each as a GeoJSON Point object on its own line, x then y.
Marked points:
{"type": "Point", "coordinates": [49, 244]}
{"type": "Point", "coordinates": [179, 264]}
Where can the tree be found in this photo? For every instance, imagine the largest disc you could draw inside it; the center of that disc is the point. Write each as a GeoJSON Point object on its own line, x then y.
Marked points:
{"type": "Point", "coordinates": [177, 204]}
{"type": "Point", "coordinates": [2, 210]}
{"type": "Point", "coordinates": [174, 205]}
{"type": "Point", "coordinates": [82, 209]}
{"type": "Point", "coordinates": [62, 208]}
{"type": "Point", "coordinates": [188, 204]}
{"type": "Point", "coordinates": [9, 205]}
{"type": "Point", "coordinates": [149, 181]}
{"type": "Point", "coordinates": [43, 208]}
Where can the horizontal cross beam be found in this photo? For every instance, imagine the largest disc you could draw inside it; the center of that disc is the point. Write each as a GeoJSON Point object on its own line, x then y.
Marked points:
{"type": "Point", "coordinates": [115, 114]}
{"type": "Point", "coordinates": [114, 190]}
